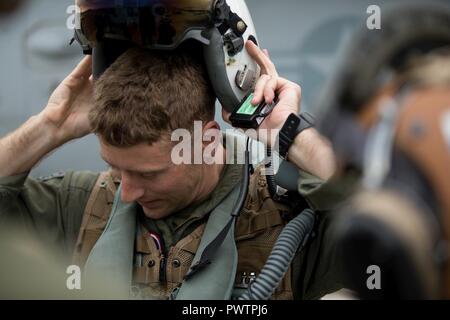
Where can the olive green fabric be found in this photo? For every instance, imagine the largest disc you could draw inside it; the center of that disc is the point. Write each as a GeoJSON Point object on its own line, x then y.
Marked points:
{"type": "Point", "coordinates": [317, 270]}
{"type": "Point", "coordinates": [112, 255]}
{"type": "Point", "coordinates": [325, 196]}
{"type": "Point", "coordinates": [53, 207]}
{"type": "Point", "coordinates": [217, 281]}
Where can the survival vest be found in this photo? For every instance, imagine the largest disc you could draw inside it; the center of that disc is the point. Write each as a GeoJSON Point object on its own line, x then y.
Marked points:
{"type": "Point", "coordinates": [155, 276]}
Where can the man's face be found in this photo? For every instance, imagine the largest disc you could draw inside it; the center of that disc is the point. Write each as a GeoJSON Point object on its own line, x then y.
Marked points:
{"type": "Point", "coordinates": [150, 178]}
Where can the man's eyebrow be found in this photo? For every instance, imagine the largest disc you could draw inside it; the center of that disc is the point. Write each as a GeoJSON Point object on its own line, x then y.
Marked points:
{"type": "Point", "coordinates": [138, 171]}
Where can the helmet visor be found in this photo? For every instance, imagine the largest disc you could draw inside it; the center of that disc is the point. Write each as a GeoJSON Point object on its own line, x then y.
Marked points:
{"type": "Point", "coordinates": [162, 24]}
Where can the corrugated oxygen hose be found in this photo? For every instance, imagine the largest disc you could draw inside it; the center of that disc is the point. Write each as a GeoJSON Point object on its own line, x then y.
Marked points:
{"type": "Point", "coordinates": [294, 235]}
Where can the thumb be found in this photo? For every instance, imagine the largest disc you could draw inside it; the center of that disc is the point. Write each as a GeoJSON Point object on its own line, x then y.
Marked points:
{"type": "Point", "coordinates": [226, 115]}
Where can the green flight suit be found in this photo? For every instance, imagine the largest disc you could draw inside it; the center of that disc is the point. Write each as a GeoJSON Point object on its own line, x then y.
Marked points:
{"type": "Point", "coordinates": [52, 207]}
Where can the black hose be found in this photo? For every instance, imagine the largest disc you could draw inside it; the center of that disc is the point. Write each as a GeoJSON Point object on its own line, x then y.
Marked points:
{"type": "Point", "coordinates": [292, 238]}
{"type": "Point", "coordinates": [270, 174]}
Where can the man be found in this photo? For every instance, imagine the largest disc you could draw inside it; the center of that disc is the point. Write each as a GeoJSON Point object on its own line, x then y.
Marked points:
{"type": "Point", "coordinates": [136, 105]}
{"type": "Point", "coordinates": [392, 135]}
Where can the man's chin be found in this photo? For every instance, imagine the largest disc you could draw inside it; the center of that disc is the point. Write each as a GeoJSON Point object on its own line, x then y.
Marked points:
{"type": "Point", "coordinates": [156, 213]}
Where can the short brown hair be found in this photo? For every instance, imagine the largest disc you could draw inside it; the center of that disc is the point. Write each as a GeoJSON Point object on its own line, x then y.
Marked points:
{"type": "Point", "coordinates": [145, 94]}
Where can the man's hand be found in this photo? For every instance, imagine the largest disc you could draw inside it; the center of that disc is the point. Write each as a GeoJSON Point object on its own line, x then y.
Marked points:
{"type": "Point", "coordinates": [64, 118]}
{"type": "Point", "coordinates": [267, 87]}
{"type": "Point", "coordinates": [310, 151]}
{"type": "Point", "coordinates": [69, 105]}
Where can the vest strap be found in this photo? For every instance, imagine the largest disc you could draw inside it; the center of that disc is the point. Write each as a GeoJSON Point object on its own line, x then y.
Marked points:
{"type": "Point", "coordinates": [110, 263]}
{"type": "Point", "coordinates": [216, 281]}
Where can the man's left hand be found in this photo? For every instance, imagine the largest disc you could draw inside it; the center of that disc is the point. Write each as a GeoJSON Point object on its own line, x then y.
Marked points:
{"type": "Point", "coordinates": [269, 86]}
{"type": "Point", "coordinates": [310, 151]}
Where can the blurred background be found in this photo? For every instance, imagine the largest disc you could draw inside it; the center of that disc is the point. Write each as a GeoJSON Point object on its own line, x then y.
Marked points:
{"type": "Point", "coordinates": [305, 39]}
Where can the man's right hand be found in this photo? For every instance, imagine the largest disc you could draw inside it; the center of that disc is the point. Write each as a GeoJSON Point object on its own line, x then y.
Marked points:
{"type": "Point", "coordinates": [64, 118]}
{"type": "Point", "coordinates": [69, 105]}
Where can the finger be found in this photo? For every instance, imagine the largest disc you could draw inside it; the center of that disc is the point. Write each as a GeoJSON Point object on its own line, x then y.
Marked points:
{"type": "Point", "coordinates": [289, 94]}
{"type": "Point", "coordinates": [225, 115]}
{"type": "Point", "coordinates": [273, 86]}
{"type": "Point", "coordinates": [267, 67]}
{"type": "Point", "coordinates": [270, 89]}
{"type": "Point", "coordinates": [266, 52]}
{"type": "Point", "coordinates": [290, 87]}
{"type": "Point", "coordinates": [82, 72]}
{"type": "Point", "coordinates": [83, 69]}
{"type": "Point", "coordinates": [258, 94]}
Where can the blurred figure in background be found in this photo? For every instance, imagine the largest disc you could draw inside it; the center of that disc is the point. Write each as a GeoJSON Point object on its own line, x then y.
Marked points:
{"type": "Point", "coordinates": [9, 6]}
{"type": "Point", "coordinates": [28, 270]}
{"type": "Point", "coordinates": [388, 115]}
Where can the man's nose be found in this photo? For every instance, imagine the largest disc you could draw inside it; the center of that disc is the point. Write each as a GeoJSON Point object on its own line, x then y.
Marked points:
{"type": "Point", "coordinates": [130, 190]}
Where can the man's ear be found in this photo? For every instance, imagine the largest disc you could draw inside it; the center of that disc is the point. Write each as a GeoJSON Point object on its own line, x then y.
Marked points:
{"type": "Point", "coordinates": [210, 132]}
{"type": "Point", "coordinates": [211, 125]}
